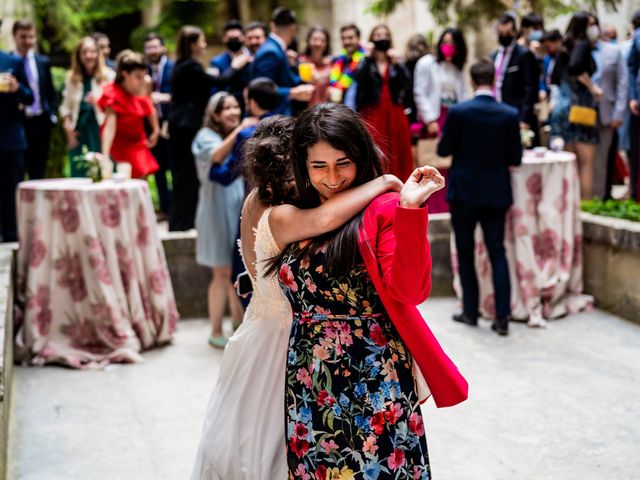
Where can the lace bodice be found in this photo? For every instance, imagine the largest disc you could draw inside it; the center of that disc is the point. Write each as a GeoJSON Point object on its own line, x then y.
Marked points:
{"type": "Point", "coordinates": [268, 302]}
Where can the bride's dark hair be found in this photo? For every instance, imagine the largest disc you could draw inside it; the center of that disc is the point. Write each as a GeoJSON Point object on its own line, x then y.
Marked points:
{"type": "Point", "coordinates": [342, 129]}
{"type": "Point", "coordinates": [267, 166]}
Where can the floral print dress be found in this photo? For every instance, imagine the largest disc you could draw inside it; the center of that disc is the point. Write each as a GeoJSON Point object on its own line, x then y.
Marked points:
{"type": "Point", "coordinates": [352, 410]}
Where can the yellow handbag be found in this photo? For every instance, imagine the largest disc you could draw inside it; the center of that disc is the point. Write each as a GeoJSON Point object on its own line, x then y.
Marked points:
{"type": "Point", "coordinates": [585, 116]}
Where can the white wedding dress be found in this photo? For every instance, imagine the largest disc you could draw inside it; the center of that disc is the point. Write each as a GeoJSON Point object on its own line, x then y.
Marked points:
{"type": "Point", "coordinates": [243, 436]}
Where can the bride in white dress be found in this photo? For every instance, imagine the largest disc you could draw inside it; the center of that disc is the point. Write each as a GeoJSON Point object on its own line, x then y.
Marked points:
{"type": "Point", "coordinates": [243, 437]}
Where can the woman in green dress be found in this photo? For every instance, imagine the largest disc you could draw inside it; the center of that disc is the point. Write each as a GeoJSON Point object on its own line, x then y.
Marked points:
{"type": "Point", "coordinates": [80, 115]}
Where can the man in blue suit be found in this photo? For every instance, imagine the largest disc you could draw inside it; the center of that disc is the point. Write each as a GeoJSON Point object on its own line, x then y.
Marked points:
{"type": "Point", "coordinates": [272, 60]}
{"type": "Point", "coordinates": [483, 136]}
{"type": "Point", "coordinates": [233, 38]}
{"type": "Point", "coordinates": [41, 114]}
{"type": "Point", "coordinates": [161, 70]}
{"type": "Point", "coordinates": [14, 95]}
{"type": "Point", "coordinates": [262, 102]}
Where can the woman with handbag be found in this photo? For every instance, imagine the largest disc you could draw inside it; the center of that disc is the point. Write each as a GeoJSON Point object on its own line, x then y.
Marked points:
{"type": "Point", "coordinates": [438, 84]}
{"type": "Point", "coordinates": [574, 115]}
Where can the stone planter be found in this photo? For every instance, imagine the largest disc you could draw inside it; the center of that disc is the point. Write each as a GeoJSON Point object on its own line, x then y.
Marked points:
{"type": "Point", "coordinates": [190, 280]}
{"type": "Point", "coordinates": [7, 269]}
{"type": "Point", "coordinates": [612, 264]}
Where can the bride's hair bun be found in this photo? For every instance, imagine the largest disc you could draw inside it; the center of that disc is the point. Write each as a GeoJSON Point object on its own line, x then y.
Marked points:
{"type": "Point", "coordinates": [267, 164]}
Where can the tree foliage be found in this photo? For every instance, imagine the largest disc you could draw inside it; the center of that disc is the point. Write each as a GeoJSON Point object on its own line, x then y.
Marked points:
{"type": "Point", "coordinates": [66, 21]}
{"type": "Point", "coordinates": [468, 12]}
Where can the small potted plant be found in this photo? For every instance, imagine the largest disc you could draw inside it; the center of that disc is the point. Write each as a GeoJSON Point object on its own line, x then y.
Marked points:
{"type": "Point", "coordinates": [526, 137]}
{"type": "Point", "coordinates": [94, 164]}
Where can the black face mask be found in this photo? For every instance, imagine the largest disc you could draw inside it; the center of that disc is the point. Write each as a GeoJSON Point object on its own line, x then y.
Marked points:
{"type": "Point", "coordinates": [234, 44]}
{"type": "Point", "coordinates": [505, 40]}
{"type": "Point", "coordinates": [382, 45]}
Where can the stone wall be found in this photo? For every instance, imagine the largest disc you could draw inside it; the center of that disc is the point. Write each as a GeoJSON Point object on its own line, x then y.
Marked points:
{"type": "Point", "coordinates": [612, 264]}
{"type": "Point", "coordinates": [439, 232]}
{"type": "Point", "coordinates": [6, 347]}
{"type": "Point", "coordinates": [190, 280]}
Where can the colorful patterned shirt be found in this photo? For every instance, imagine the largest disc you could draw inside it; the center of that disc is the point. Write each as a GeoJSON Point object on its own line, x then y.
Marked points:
{"type": "Point", "coordinates": [344, 67]}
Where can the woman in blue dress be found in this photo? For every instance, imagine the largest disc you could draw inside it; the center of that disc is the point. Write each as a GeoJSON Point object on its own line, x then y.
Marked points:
{"type": "Point", "coordinates": [218, 211]}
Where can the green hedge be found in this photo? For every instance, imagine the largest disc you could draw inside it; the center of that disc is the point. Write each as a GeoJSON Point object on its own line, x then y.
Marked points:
{"type": "Point", "coordinates": [58, 164]}
{"type": "Point", "coordinates": [626, 209]}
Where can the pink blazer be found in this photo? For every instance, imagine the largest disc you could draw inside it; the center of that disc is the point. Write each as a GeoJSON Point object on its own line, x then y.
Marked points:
{"type": "Point", "coordinates": [395, 249]}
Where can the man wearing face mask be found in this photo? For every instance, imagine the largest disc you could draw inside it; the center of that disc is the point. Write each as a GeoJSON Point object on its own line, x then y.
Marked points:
{"type": "Point", "coordinates": [517, 75]}
{"type": "Point", "coordinates": [233, 39]}
{"type": "Point", "coordinates": [531, 30]}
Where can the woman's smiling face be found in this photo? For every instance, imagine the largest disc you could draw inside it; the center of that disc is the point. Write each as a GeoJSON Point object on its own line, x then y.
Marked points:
{"type": "Point", "coordinates": [330, 171]}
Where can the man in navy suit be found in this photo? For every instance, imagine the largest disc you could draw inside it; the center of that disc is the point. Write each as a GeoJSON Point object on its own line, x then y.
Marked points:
{"type": "Point", "coordinates": [161, 71]}
{"type": "Point", "coordinates": [41, 114]}
{"type": "Point", "coordinates": [233, 38]}
{"type": "Point", "coordinates": [483, 136]}
{"type": "Point", "coordinates": [272, 60]}
{"type": "Point", "coordinates": [14, 95]}
{"type": "Point", "coordinates": [517, 75]}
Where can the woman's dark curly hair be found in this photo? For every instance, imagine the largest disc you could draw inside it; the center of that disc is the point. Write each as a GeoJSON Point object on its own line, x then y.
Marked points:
{"type": "Point", "coordinates": [267, 165]}
{"type": "Point", "coordinates": [342, 129]}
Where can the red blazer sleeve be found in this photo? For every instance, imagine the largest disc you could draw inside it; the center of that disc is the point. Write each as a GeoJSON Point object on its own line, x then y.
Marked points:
{"type": "Point", "coordinates": [403, 252]}
{"type": "Point", "coordinates": [395, 249]}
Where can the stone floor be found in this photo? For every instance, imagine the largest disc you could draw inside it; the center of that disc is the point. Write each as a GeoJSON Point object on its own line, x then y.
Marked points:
{"type": "Point", "coordinates": [559, 403]}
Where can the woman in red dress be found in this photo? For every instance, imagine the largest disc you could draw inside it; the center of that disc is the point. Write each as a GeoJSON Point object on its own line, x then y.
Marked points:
{"type": "Point", "coordinates": [126, 104]}
{"type": "Point", "coordinates": [383, 93]}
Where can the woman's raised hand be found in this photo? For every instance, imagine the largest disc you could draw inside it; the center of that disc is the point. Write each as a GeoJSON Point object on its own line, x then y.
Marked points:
{"type": "Point", "coordinates": [392, 183]}
{"type": "Point", "coordinates": [423, 182]}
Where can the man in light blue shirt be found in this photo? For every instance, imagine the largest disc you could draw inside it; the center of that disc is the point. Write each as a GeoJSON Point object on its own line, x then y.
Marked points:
{"type": "Point", "coordinates": [612, 77]}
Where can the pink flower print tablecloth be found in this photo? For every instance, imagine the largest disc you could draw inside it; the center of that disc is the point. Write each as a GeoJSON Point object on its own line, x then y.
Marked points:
{"type": "Point", "coordinates": [93, 285]}
{"type": "Point", "coordinates": [543, 242]}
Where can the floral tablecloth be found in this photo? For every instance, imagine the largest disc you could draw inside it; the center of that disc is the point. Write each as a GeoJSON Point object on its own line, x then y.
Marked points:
{"type": "Point", "coordinates": [543, 242]}
{"type": "Point", "coordinates": [93, 285]}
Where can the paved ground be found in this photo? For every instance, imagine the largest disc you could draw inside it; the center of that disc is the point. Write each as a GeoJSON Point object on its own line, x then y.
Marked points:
{"type": "Point", "coordinates": [560, 403]}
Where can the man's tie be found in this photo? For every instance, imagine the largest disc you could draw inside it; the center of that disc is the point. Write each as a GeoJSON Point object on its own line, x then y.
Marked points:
{"type": "Point", "coordinates": [35, 108]}
{"type": "Point", "coordinates": [499, 72]}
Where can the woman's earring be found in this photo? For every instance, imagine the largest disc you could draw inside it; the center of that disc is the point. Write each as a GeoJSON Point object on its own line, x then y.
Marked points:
{"type": "Point", "coordinates": [307, 183]}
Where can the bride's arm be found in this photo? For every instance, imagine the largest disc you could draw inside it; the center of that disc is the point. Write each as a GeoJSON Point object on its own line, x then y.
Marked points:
{"type": "Point", "coordinates": [290, 224]}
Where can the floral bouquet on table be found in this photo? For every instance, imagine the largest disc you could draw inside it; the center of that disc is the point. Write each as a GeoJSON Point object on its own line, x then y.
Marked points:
{"type": "Point", "coordinates": [526, 137]}
{"type": "Point", "coordinates": [97, 166]}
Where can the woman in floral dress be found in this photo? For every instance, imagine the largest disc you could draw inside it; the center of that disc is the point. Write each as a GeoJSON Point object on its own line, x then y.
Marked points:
{"type": "Point", "coordinates": [352, 410]}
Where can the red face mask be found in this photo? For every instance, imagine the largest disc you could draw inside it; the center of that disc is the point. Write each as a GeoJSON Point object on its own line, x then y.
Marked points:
{"type": "Point", "coordinates": [448, 50]}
